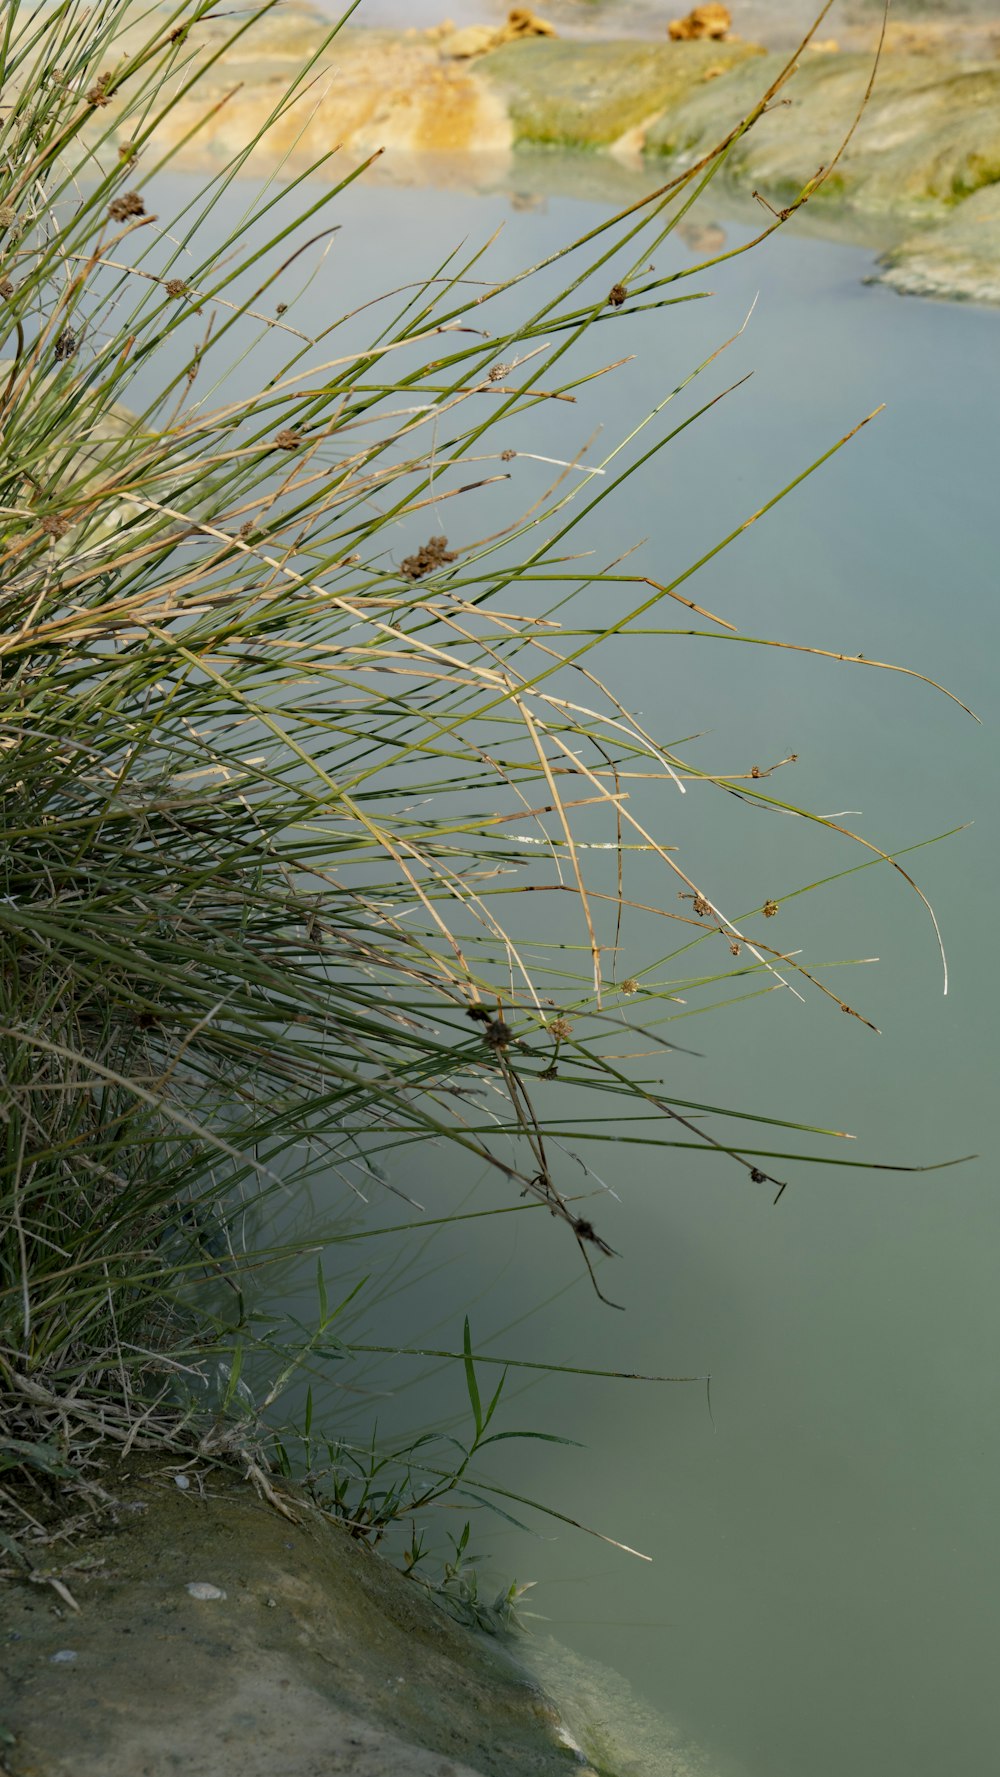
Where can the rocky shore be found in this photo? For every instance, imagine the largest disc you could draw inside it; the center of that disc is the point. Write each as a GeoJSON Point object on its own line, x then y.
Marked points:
{"type": "Point", "coordinates": [921, 171]}
{"type": "Point", "coordinates": [197, 1630]}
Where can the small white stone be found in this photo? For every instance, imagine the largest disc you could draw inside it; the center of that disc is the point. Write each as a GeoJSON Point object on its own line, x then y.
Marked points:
{"type": "Point", "coordinates": [565, 1738]}
{"type": "Point", "coordinates": [201, 1589]}
{"type": "Point", "coordinates": [63, 1657]}
{"type": "Point", "coordinates": [183, 1482]}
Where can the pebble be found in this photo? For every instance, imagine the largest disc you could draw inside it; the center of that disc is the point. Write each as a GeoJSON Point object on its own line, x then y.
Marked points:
{"type": "Point", "coordinates": [63, 1657]}
{"type": "Point", "coordinates": [201, 1589]}
{"type": "Point", "coordinates": [183, 1482]}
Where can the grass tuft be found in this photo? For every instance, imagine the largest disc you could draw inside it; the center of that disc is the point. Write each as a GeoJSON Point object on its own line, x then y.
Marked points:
{"type": "Point", "coordinates": [268, 781]}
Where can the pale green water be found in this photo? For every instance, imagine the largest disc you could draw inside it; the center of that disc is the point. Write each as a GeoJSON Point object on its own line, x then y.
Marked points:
{"type": "Point", "coordinates": [825, 1596]}
{"type": "Point", "coordinates": [824, 1599]}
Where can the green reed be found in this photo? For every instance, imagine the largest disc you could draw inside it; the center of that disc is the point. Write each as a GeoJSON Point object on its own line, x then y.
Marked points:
{"type": "Point", "coordinates": [259, 777]}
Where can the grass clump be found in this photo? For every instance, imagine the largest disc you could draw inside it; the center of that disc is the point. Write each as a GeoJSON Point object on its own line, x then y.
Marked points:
{"type": "Point", "coordinates": [259, 768]}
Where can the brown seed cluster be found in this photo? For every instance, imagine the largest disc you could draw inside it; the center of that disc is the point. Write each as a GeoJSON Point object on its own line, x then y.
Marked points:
{"type": "Point", "coordinates": [498, 372]}
{"type": "Point", "coordinates": [98, 94]}
{"type": "Point", "coordinates": [67, 345]}
{"type": "Point", "coordinates": [288, 440]}
{"type": "Point", "coordinates": [701, 906]}
{"type": "Point", "coordinates": [617, 295]}
{"type": "Point", "coordinates": [54, 526]}
{"type": "Point", "coordinates": [507, 456]}
{"type": "Point", "coordinates": [561, 1029]}
{"type": "Point", "coordinates": [755, 771]}
{"type": "Point", "coordinates": [498, 1034]}
{"type": "Point", "coordinates": [130, 204]}
{"type": "Point", "coordinates": [631, 985]}
{"type": "Point", "coordinates": [429, 557]}
{"type": "Point", "coordinates": [6, 288]}
{"type": "Point", "coordinates": [175, 287]}
{"type": "Point", "coordinates": [770, 909]}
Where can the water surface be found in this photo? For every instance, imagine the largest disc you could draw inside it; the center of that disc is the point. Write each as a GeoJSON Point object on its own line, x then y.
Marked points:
{"type": "Point", "coordinates": [824, 1596]}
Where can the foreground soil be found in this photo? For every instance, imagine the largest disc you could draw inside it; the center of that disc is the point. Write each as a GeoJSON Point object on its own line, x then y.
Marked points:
{"type": "Point", "coordinates": [308, 1656]}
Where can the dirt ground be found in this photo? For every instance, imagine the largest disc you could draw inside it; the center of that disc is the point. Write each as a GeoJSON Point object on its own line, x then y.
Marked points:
{"type": "Point", "coordinates": [307, 1656]}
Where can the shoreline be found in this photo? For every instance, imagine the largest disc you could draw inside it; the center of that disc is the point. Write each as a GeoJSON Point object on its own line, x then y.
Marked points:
{"type": "Point", "coordinates": [920, 175]}
{"type": "Point", "coordinates": [197, 1625]}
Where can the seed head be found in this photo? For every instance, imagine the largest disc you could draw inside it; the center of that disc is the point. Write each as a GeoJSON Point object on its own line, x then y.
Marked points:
{"type": "Point", "coordinates": [431, 555]}
{"type": "Point", "coordinates": [617, 295]}
{"type": "Point", "coordinates": [130, 204]}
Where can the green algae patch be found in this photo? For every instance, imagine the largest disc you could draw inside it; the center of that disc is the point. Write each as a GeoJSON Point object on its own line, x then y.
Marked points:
{"type": "Point", "coordinates": [960, 258]}
{"type": "Point", "coordinates": [585, 95]}
{"type": "Point", "coordinates": [929, 134]}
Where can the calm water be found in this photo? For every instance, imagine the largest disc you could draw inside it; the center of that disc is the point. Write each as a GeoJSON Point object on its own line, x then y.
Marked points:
{"type": "Point", "coordinates": [824, 1597]}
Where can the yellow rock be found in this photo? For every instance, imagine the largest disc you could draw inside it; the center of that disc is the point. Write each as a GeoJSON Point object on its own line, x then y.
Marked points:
{"type": "Point", "coordinates": [703, 21]}
{"type": "Point", "coordinates": [479, 40]}
{"type": "Point", "coordinates": [473, 40]}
